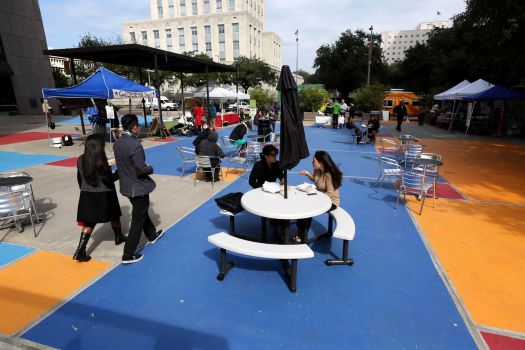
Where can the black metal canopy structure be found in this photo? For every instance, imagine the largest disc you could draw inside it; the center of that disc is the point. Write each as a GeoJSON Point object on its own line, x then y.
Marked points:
{"type": "Point", "coordinates": [142, 56]}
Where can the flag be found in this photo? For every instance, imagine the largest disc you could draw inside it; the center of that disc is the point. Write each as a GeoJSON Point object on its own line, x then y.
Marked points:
{"type": "Point", "coordinates": [439, 13]}
{"type": "Point", "coordinates": [296, 32]}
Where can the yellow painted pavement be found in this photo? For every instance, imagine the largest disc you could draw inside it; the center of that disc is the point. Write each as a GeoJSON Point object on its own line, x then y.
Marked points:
{"type": "Point", "coordinates": [35, 284]}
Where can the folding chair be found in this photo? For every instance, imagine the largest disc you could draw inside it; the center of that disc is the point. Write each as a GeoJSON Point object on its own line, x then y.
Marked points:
{"type": "Point", "coordinates": [14, 205]}
{"type": "Point", "coordinates": [388, 167]}
{"type": "Point", "coordinates": [413, 183]}
{"type": "Point", "coordinates": [204, 166]}
{"type": "Point", "coordinates": [187, 155]}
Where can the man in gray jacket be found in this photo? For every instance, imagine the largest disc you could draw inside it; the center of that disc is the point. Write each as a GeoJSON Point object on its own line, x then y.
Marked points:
{"type": "Point", "coordinates": [135, 184]}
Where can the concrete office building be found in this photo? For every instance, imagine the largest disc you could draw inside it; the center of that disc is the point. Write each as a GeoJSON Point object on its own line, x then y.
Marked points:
{"type": "Point", "coordinates": [222, 29]}
{"type": "Point", "coordinates": [24, 70]}
{"type": "Point", "coordinates": [395, 43]}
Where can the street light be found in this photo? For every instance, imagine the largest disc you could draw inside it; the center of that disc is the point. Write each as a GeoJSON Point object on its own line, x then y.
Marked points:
{"type": "Point", "coordinates": [370, 45]}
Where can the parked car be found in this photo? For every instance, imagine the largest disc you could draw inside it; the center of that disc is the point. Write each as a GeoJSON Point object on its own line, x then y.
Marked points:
{"type": "Point", "coordinates": [165, 104]}
{"type": "Point", "coordinates": [242, 105]}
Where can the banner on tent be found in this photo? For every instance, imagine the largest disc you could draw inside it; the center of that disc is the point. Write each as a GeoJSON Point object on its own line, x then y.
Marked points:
{"type": "Point", "coordinates": [132, 94]}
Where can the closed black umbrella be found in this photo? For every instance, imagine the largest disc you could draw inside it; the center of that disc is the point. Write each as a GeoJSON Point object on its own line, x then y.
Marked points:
{"type": "Point", "coordinates": [293, 141]}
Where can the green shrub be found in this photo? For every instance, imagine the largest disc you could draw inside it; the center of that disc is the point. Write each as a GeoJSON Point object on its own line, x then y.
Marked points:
{"type": "Point", "coordinates": [311, 99]}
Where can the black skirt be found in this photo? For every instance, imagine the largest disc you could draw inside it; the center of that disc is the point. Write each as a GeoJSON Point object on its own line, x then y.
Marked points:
{"type": "Point", "coordinates": [98, 207]}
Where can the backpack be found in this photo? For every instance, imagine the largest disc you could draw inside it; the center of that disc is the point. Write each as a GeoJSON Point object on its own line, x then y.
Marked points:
{"type": "Point", "coordinates": [67, 140]}
{"type": "Point", "coordinates": [230, 202]}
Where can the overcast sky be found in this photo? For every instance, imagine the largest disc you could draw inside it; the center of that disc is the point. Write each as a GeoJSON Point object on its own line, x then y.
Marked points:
{"type": "Point", "coordinates": [319, 22]}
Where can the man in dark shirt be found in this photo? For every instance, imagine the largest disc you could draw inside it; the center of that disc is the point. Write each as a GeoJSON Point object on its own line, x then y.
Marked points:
{"type": "Point", "coordinates": [135, 184]}
{"type": "Point", "coordinates": [373, 128]}
{"type": "Point", "coordinates": [267, 169]}
{"type": "Point", "coordinates": [401, 111]}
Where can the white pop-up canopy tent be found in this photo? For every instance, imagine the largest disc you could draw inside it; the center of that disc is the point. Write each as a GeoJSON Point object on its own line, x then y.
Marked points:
{"type": "Point", "coordinates": [441, 96]}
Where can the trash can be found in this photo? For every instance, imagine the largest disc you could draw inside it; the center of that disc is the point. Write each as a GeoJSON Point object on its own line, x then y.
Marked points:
{"type": "Point", "coordinates": [264, 127]}
{"type": "Point", "coordinates": [386, 115]}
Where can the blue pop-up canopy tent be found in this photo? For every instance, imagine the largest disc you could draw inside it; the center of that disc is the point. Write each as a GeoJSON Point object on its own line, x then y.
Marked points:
{"type": "Point", "coordinates": [497, 92]}
{"type": "Point", "coordinates": [103, 84]}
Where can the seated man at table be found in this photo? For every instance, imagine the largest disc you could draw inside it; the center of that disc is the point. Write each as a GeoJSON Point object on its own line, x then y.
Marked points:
{"type": "Point", "coordinates": [350, 125]}
{"type": "Point", "coordinates": [373, 128]}
{"type": "Point", "coordinates": [203, 135]}
{"type": "Point", "coordinates": [237, 134]}
{"type": "Point", "coordinates": [267, 169]}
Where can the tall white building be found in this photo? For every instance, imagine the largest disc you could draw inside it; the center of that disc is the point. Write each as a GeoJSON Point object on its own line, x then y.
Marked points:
{"type": "Point", "coordinates": [395, 43]}
{"type": "Point", "coordinates": [222, 29]}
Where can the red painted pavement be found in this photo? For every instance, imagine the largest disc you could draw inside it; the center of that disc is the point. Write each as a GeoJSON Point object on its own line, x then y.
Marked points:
{"type": "Point", "coordinates": [7, 139]}
{"type": "Point", "coordinates": [501, 342]}
{"type": "Point", "coordinates": [68, 162]}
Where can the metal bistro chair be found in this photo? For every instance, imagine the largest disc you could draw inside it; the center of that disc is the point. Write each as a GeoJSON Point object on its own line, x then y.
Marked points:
{"type": "Point", "coordinates": [27, 189]}
{"type": "Point", "coordinates": [187, 155]}
{"type": "Point", "coordinates": [246, 156]}
{"type": "Point", "coordinates": [352, 137]}
{"type": "Point", "coordinates": [413, 183]}
{"type": "Point", "coordinates": [412, 151]}
{"type": "Point", "coordinates": [14, 205]}
{"type": "Point", "coordinates": [431, 171]}
{"type": "Point", "coordinates": [389, 147]}
{"type": "Point", "coordinates": [204, 166]}
{"type": "Point", "coordinates": [227, 144]}
{"type": "Point", "coordinates": [388, 167]}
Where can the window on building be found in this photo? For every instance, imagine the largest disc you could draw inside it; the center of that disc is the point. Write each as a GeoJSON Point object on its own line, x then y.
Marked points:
{"type": "Point", "coordinates": [195, 47]}
{"type": "Point", "coordinates": [159, 8]}
{"type": "Point", "coordinates": [183, 7]}
{"type": "Point", "coordinates": [156, 39]}
{"type": "Point", "coordinates": [222, 45]}
{"type": "Point", "coordinates": [206, 6]}
{"type": "Point", "coordinates": [235, 38]}
{"type": "Point", "coordinates": [219, 6]}
{"type": "Point", "coordinates": [169, 41]}
{"type": "Point", "coordinates": [182, 44]}
{"type": "Point", "coordinates": [207, 40]}
{"type": "Point", "coordinates": [171, 8]}
{"type": "Point", "coordinates": [194, 10]}
{"type": "Point", "coordinates": [208, 49]}
{"type": "Point", "coordinates": [194, 35]}
{"type": "Point", "coordinates": [231, 5]}
{"type": "Point", "coordinates": [144, 38]}
{"type": "Point", "coordinates": [132, 38]}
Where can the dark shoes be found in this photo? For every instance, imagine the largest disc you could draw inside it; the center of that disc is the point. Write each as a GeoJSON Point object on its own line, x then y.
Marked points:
{"type": "Point", "coordinates": [81, 254]}
{"type": "Point", "coordinates": [119, 237]}
{"type": "Point", "coordinates": [132, 259]}
{"type": "Point", "coordinates": [156, 237]}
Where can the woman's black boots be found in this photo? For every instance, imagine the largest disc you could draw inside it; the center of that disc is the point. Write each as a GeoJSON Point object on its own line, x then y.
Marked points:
{"type": "Point", "coordinates": [80, 254]}
{"type": "Point", "coordinates": [119, 237]}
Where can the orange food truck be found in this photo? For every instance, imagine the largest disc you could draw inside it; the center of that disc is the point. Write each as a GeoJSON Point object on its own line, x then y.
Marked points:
{"type": "Point", "coordinates": [394, 97]}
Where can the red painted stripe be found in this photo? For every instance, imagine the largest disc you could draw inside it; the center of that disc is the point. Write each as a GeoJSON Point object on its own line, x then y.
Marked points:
{"type": "Point", "coordinates": [7, 139]}
{"type": "Point", "coordinates": [501, 342]}
{"type": "Point", "coordinates": [68, 162]}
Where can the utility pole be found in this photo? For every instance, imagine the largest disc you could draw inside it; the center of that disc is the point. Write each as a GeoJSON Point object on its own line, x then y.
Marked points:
{"type": "Point", "coordinates": [370, 46]}
{"type": "Point", "coordinates": [297, 53]}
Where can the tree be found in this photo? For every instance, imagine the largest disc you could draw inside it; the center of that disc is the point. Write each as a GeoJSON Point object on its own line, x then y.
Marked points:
{"type": "Point", "coordinates": [261, 96]}
{"type": "Point", "coordinates": [306, 76]}
{"type": "Point", "coordinates": [343, 65]}
{"type": "Point", "coordinates": [61, 80]}
{"type": "Point", "coordinates": [312, 98]}
{"type": "Point", "coordinates": [369, 98]}
{"type": "Point", "coordinates": [253, 72]}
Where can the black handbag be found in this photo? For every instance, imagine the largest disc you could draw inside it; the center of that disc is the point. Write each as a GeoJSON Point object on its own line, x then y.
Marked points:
{"type": "Point", "coordinates": [230, 202]}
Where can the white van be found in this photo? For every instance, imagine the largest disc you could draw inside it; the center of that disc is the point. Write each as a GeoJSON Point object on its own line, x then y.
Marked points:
{"type": "Point", "coordinates": [166, 105]}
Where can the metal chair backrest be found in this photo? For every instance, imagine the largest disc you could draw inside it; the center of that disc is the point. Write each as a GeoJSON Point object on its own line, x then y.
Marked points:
{"type": "Point", "coordinates": [388, 163]}
{"type": "Point", "coordinates": [412, 151]}
{"type": "Point", "coordinates": [12, 202]}
{"type": "Point", "coordinates": [186, 154]}
{"type": "Point", "coordinates": [227, 143]}
{"type": "Point", "coordinates": [253, 150]}
{"type": "Point", "coordinates": [413, 182]}
{"type": "Point", "coordinates": [203, 161]}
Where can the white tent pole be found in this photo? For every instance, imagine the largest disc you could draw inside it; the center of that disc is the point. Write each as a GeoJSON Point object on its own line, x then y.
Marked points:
{"type": "Point", "coordinates": [453, 116]}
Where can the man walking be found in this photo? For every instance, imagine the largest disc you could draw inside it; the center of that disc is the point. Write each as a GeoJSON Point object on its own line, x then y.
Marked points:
{"type": "Point", "coordinates": [401, 111]}
{"type": "Point", "coordinates": [135, 184]}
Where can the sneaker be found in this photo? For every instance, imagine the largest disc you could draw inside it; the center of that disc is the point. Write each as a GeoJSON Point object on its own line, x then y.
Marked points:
{"type": "Point", "coordinates": [157, 236]}
{"type": "Point", "coordinates": [132, 259]}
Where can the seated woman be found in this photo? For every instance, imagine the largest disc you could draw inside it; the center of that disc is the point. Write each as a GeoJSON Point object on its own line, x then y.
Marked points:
{"type": "Point", "coordinates": [373, 128]}
{"type": "Point", "coordinates": [327, 178]}
{"type": "Point", "coordinates": [358, 133]}
{"type": "Point", "coordinates": [209, 147]}
{"type": "Point", "coordinates": [237, 134]}
{"type": "Point", "coordinates": [267, 169]}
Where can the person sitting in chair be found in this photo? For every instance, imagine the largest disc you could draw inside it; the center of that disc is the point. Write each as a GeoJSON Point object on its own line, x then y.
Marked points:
{"type": "Point", "coordinates": [267, 169]}
{"type": "Point", "coordinates": [209, 147]}
{"type": "Point", "coordinates": [358, 133]}
{"type": "Point", "coordinates": [373, 128]}
{"type": "Point", "coordinates": [237, 134]}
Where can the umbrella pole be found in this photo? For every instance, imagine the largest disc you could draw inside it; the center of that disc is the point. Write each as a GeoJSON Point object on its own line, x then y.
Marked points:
{"type": "Point", "coordinates": [285, 183]}
{"type": "Point", "coordinates": [500, 125]}
{"type": "Point", "coordinates": [74, 76]}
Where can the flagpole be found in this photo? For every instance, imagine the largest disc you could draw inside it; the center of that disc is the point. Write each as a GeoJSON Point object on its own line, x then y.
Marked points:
{"type": "Point", "coordinates": [297, 54]}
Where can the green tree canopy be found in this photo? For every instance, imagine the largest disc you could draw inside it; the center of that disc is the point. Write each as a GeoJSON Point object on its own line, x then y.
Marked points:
{"type": "Point", "coordinates": [254, 72]}
{"type": "Point", "coordinates": [369, 98]}
{"type": "Point", "coordinates": [343, 65]}
{"type": "Point", "coordinates": [485, 41]}
{"type": "Point", "coordinates": [312, 98]}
